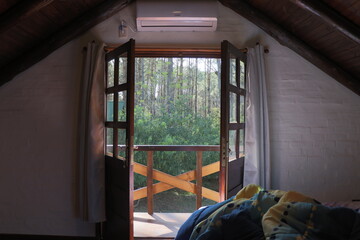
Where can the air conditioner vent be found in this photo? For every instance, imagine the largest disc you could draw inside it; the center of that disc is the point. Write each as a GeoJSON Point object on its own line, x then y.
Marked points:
{"type": "Point", "coordinates": [195, 15]}
{"type": "Point", "coordinates": [176, 24]}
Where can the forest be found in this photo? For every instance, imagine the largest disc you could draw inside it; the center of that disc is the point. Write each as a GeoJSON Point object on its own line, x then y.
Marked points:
{"type": "Point", "coordinates": [177, 102]}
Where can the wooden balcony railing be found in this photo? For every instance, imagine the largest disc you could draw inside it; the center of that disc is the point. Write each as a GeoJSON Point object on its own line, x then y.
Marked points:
{"type": "Point", "coordinates": [182, 181]}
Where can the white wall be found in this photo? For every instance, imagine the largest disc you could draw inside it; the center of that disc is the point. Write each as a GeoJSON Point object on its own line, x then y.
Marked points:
{"type": "Point", "coordinates": [315, 134]}
{"type": "Point", "coordinates": [315, 130]}
{"type": "Point", "coordinates": [38, 117]}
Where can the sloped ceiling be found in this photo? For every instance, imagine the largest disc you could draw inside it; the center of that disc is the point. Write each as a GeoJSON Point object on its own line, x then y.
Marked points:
{"type": "Point", "coordinates": [325, 32]}
{"type": "Point", "coordinates": [30, 30]}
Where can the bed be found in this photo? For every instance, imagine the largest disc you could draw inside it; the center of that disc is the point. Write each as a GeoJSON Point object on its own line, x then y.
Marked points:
{"type": "Point", "coordinates": [258, 214]}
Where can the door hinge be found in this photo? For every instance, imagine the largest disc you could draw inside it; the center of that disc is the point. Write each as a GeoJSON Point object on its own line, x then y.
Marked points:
{"type": "Point", "coordinates": [224, 152]}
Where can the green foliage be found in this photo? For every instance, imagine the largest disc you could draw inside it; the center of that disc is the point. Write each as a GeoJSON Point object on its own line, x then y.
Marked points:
{"type": "Point", "coordinates": [175, 127]}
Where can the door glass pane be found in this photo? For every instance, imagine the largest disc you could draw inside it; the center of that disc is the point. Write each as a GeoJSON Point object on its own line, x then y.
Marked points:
{"type": "Point", "coordinates": [122, 106]}
{"type": "Point", "coordinates": [110, 107]}
{"type": "Point", "coordinates": [232, 104]}
{"type": "Point", "coordinates": [232, 71]}
{"type": "Point", "coordinates": [122, 144]}
{"type": "Point", "coordinates": [242, 142]}
{"type": "Point", "coordinates": [232, 145]}
{"type": "Point", "coordinates": [110, 73]}
{"type": "Point", "coordinates": [109, 141]}
{"type": "Point", "coordinates": [123, 69]}
{"type": "Point", "coordinates": [242, 74]}
{"type": "Point", "coordinates": [242, 109]}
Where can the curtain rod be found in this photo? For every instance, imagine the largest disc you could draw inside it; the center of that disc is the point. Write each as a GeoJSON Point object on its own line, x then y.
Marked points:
{"type": "Point", "coordinates": [244, 50]}
{"type": "Point", "coordinates": [150, 49]}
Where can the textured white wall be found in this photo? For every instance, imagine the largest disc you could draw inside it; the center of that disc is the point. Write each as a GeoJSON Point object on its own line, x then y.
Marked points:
{"type": "Point", "coordinates": [38, 111]}
{"type": "Point", "coordinates": [315, 131]}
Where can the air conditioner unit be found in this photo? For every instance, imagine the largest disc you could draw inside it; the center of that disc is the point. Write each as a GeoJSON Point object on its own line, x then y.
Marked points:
{"type": "Point", "coordinates": [174, 15]}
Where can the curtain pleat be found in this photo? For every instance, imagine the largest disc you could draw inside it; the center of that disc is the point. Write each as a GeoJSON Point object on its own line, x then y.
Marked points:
{"type": "Point", "coordinates": [91, 135]}
{"type": "Point", "coordinates": [257, 141]}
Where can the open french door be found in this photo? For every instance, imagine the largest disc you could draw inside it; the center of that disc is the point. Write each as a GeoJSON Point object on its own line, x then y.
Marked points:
{"type": "Point", "coordinates": [119, 132]}
{"type": "Point", "coordinates": [232, 128]}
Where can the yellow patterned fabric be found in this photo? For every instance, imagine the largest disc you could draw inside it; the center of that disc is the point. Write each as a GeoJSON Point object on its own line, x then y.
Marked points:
{"type": "Point", "coordinates": [258, 215]}
{"type": "Point", "coordinates": [248, 191]}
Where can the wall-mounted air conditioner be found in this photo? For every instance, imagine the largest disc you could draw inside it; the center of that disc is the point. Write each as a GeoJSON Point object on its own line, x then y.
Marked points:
{"type": "Point", "coordinates": [174, 15]}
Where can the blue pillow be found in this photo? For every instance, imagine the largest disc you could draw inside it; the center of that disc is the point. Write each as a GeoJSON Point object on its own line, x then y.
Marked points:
{"type": "Point", "coordinates": [199, 215]}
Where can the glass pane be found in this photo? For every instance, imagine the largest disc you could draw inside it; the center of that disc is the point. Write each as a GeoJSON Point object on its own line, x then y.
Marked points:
{"type": "Point", "coordinates": [110, 73]}
{"type": "Point", "coordinates": [232, 107]}
{"type": "Point", "coordinates": [232, 145]}
{"type": "Point", "coordinates": [110, 107]}
{"type": "Point", "coordinates": [109, 141]}
{"type": "Point", "coordinates": [242, 109]}
{"type": "Point", "coordinates": [242, 142]}
{"type": "Point", "coordinates": [232, 73]}
{"type": "Point", "coordinates": [122, 144]}
{"type": "Point", "coordinates": [242, 74]}
{"type": "Point", "coordinates": [123, 69]}
{"type": "Point", "coordinates": [122, 106]}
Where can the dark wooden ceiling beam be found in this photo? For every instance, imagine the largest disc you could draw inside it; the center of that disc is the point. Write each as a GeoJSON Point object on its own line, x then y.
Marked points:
{"type": "Point", "coordinates": [287, 39]}
{"type": "Point", "coordinates": [72, 30]}
{"type": "Point", "coordinates": [20, 12]}
{"type": "Point", "coordinates": [330, 17]}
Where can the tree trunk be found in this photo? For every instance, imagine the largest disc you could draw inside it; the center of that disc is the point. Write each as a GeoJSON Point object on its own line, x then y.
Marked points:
{"type": "Point", "coordinates": [152, 86]}
{"type": "Point", "coordinates": [191, 87]}
{"type": "Point", "coordinates": [169, 86]}
{"type": "Point", "coordinates": [209, 86]}
{"type": "Point", "coordinates": [218, 71]}
{"type": "Point", "coordinates": [181, 77]}
{"type": "Point", "coordinates": [196, 87]}
{"type": "Point", "coordinates": [205, 89]}
{"type": "Point", "coordinates": [141, 81]}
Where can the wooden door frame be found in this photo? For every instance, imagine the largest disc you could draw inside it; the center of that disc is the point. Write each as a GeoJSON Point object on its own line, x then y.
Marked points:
{"type": "Point", "coordinates": [122, 182]}
{"type": "Point", "coordinates": [226, 88]}
{"type": "Point", "coordinates": [173, 53]}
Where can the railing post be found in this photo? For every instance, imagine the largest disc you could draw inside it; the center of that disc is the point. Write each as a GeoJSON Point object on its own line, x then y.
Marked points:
{"type": "Point", "coordinates": [198, 179]}
{"type": "Point", "coordinates": [149, 181]}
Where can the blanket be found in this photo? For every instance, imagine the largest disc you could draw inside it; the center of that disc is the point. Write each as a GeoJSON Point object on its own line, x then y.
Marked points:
{"type": "Point", "coordinates": [258, 214]}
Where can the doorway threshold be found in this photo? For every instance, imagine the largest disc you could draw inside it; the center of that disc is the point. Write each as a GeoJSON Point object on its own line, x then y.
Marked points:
{"type": "Point", "coordinates": [159, 225]}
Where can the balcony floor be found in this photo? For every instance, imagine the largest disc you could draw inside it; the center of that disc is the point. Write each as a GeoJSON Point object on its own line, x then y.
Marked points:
{"type": "Point", "coordinates": [159, 225]}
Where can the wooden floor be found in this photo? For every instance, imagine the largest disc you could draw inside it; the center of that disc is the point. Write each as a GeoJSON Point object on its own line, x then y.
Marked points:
{"type": "Point", "coordinates": [159, 225]}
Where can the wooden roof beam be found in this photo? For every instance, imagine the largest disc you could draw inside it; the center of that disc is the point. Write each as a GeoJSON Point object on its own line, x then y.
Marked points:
{"type": "Point", "coordinates": [331, 17]}
{"type": "Point", "coordinates": [287, 39]}
{"type": "Point", "coordinates": [72, 30]}
{"type": "Point", "coordinates": [20, 12]}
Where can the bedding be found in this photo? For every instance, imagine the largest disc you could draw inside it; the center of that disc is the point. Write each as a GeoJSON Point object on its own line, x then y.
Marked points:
{"type": "Point", "coordinates": [258, 214]}
{"type": "Point", "coordinates": [355, 204]}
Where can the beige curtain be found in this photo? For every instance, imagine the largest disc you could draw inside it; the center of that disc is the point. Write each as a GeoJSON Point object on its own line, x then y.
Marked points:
{"type": "Point", "coordinates": [91, 135]}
